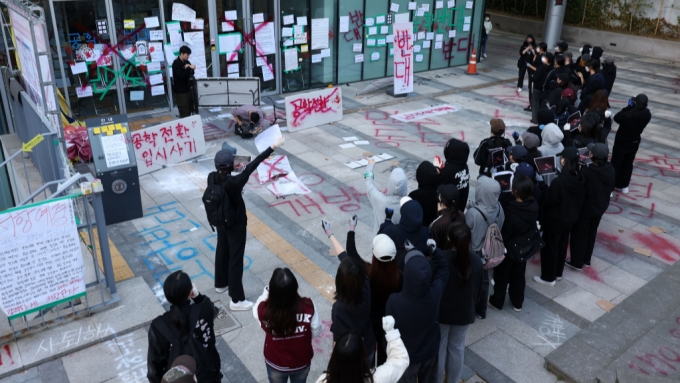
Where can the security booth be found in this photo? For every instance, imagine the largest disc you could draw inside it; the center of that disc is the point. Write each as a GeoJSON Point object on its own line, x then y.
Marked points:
{"type": "Point", "coordinates": [115, 165]}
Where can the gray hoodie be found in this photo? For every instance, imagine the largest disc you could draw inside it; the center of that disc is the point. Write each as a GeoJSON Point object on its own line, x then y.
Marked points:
{"type": "Point", "coordinates": [397, 187]}
{"type": "Point", "coordinates": [551, 140]}
{"type": "Point", "coordinates": [486, 200]}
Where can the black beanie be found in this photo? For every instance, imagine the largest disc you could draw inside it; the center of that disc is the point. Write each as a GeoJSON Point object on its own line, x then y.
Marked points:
{"type": "Point", "coordinates": [545, 116]}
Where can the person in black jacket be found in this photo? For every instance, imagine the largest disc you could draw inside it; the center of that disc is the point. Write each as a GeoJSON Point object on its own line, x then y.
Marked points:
{"type": "Point", "coordinates": [561, 68]}
{"type": "Point", "coordinates": [562, 203]}
{"type": "Point", "coordinates": [632, 121]}
{"type": "Point", "coordinates": [448, 215]}
{"type": "Point", "coordinates": [457, 306]}
{"type": "Point", "coordinates": [497, 140]}
{"type": "Point", "coordinates": [609, 73]}
{"type": "Point", "coordinates": [231, 243]}
{"type": "Point", "coordinates": [455, 170]}
{"type": "Point", "coordinates": [588, 132]}
{"type": "Point", "coordinates": [599, 183]}
{"type": "Point", "coordinates": [410, 227]}
{"type": "Point", "coordinates": [596, 54]}
{"type": "Point", "coordinates": [426, 194]}
{"type": "Point", "coordinates": [520, 217]}
{"type": "Point", "coordinates": [545, 116]}
{"type": "Point", "coordinates": [182, 71]}
{"type": "Point", "coordinates": [539, 77]}
{"type": "Point", "coordinates": [416, 312]}
{"type": "Point", "coordinates": [560, 85]}
{"type": "Point", "coordinates": [531, 69]}
{"type": "Point", "coordinates": [594, 83]}
{"type": "Point", "coordinates": [526, 55]}
{"type": "Point", "coordinates": [180, 292]}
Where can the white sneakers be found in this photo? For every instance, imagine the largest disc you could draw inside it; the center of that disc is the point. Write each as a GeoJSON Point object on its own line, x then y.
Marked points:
{"type": "Point", "coordinates": [538, 279]}
{"type": "Point", "coordinates": [484, 55]}
{"type": "Point", "coordinates": [221, 290]}
{"type": "Point", "coordinates": [519, 90]}
{"type": "Point", "coordinates": [240, 306]}
{"type": "Point", "coordinates": [624, 190]}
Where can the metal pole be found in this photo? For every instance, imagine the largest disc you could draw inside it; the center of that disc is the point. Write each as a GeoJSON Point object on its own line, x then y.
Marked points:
{"type": "Point", "coordinates": [215, 55]}
{"type": "Point", "coordinates": [554, 16]}
{"type": "Point", "coordinates": [4, 39]}
{"type": "Point", "coordinates": [168, 66]}
{"type": "Point", "coordinates": [61, 59]}
{"type": "Point", "coordinates": [5, 101]}
{"type": "Point", "coordinates": [103, 235]}
{"type": "Point", "coordinates": [115, 56]}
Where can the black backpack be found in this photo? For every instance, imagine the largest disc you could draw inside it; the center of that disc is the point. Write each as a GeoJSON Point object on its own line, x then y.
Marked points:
{"type": "Point", "coordinates": [218, 208]}
{"type": "Point", "coordinates": [188, 345]}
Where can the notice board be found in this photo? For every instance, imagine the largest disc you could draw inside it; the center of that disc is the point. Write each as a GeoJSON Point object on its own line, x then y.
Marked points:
{"type": "Point", "coordinates": [41, 263]}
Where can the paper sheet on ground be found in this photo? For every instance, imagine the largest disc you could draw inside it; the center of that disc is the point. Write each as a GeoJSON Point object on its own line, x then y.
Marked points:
{"type": "Point", "coordinates": [267, 138]}
{"type": "Point", "coordinates": [286, 182]}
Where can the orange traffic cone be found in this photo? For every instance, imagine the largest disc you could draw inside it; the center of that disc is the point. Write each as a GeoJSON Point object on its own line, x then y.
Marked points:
{"type": "Point", "coordinates": [472, 66]}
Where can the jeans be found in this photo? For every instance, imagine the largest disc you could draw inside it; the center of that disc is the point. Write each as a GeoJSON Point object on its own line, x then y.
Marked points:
{"type": "Point", "coordinates": [229, 253]}
{"type": "Point", "coordinates": [423, 372]}
{"type": "Point", "coordinates": [282, 377]}
{"type": "Point", "coordinates": [484, 40]}
{"type": "Point", "coordinates": [451, 352]}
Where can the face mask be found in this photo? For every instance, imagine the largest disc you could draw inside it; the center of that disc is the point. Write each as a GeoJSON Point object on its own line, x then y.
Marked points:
{"type": "Point", "coordinates": [587, 69]}
{"type": "Point", "coordinates": [545, 62]}
{"type": "Point", "coordinates": [487, 19]}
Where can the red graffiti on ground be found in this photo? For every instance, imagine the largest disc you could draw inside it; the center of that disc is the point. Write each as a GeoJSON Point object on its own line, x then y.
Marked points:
{"type": "Point", "coordinates": [662, 361]}
{"type": "Point", "coordinates": [305, 202]}
{"type": "Point", "coordinates": [629, 203]}
{"type": "Point", "coordinates": [9, 354]}
{"type": "Point", "coordinates": [659, 245]}
{"type": "Point", "coordinates": [305, 107]}
{"type": "Point", "coordinates": [349, 199]}
{"type": "Point", "coordinates": [392, 135]}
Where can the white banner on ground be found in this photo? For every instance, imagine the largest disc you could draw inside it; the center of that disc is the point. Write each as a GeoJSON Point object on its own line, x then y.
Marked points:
{"type": "Point", "coordinates": [313, 109]}
{"type": "Point", "coordinates": [403, 57]}
{"type": "Point", "coordinates": [168, 143]}
{"type": "Point", "coordinates": [278, 170]}
{"type": "Point", "coordinates": [41, 258]}
{"type": "Point", "coordinates": [419, 114]}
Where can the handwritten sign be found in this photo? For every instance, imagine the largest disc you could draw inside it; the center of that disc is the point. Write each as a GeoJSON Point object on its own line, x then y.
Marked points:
{"type": "Point", "coordinates": [425, 113]}
{"type": "Point", "coordinates": [41, 262]}
{"type": "Point", "coordinates": [181, 12]}
{"type": "Point", "coordinates": [278, 170]}
{"type": "Point", "coordinates": [115, 150]}
{"type": "Point", "coordinates": [313, 109]}
{"type": "Point", "coordinates": [403, 57]}
{"type": "Point", "coordinates": [168, 143]}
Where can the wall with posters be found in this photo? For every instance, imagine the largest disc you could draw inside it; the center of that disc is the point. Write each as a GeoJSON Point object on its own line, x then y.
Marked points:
{"type": "Point", "coordinates": [168, 143]}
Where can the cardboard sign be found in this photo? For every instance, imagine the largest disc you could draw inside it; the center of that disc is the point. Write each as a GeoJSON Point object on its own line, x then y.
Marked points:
{"type": "Point", "coordinates": [168, 143]}
{"type": "Point", "coordinates": [313, 109]}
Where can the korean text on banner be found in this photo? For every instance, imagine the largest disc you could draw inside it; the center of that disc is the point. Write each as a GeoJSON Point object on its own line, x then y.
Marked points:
{"type": "Point", "coordinates": [181, 12]}
{"type": "Point", "coordinates": [403, 57]}
{"type": "Point", "coordinates": [313, 109]}
{"type": "Point", "coordinates": [319, 33]}
{"type": "Point", "coordinates": [267, 138]}
{"type": "Point", "coordinates": [43, 264]}
{"type": "Point", "coordinates": [168, 143]}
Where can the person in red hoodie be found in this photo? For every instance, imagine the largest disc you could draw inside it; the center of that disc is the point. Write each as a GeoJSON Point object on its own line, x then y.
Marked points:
{"type": "Point", "coordinates": [290, 322]}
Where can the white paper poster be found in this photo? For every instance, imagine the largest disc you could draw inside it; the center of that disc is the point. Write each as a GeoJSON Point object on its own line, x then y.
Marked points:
{"type": "Point", "coordinates": [356, 48]}
{"type": "Point", "coordinates": [173, 26]}
{"type": "Point", "coordinates": [230, 15]}
{"type": "Point", "coordinates": [156, 35]}
{"type": "Point", "coordinates": [229, 43]}
{"type": "Point", "coordinates": [151, 22]}
{"type": "Point", "coordinates": [115, 150]}
{"type": "Point", "coordinates": [80, 67]}
{"type": "Point", "coordinates": [466, 27]}
{"type": "Point", "coordinates": [403, 57]}
{"type": "Point", "coordinates": [181, 12]}
{"type": "Point", "coordinates": [197, 24]}
{"type": "Point", "coordinates": [412, 6]}
{"type": "Point", "coordinates": [319, 33]}
{"type": "Point", "coordinates": [84, 91]}
{"type": "Point", "coordinates": [260, 61]}
{"type": "Point", "coordinates": [156, 79]}
{"type": "Point", "coordinates": [467, 20]}
{"type": "Point", "coordinates": [452, 33]}
{"type": "Point", "coordinates": [416, 48]}
{"type": "Point", "coordinates": [291, 59]}
{"type": "Point", "coordinates": [402, 17]}
{"type": "Point", "coordinates": [176, 141]}
{"type": "Point", "coordinates": [439, 37]}
{"type": "Point", "coordinates": [426, 44]}
{"type": "Point", "coordinates": [41, 257]}
{"type": "Point", "coordinates": [157, 90]}
{"type": "Point", "coordinates": [438, 45]}
{"type": "Point", "coordinates": [439, 4]}
{"type": "Point", "coordinates": [468, 5]}
{"type": "Point", "coordinates": [375, 56]}
{"type": "Point", "coordinates": [227, 26]}
{"type": "Point", "coordinates": [343, 24]}
{"type": "Point", "coordinates": [394, 7]}
{"type": "Point", "coordinates": [384, 29]}
{"type": "Point", "coordinates": [419, 58]}
{"type": "Point", "coordinates": [326, 52]}
{"type": "Point", "coordinates": [233, 68]}
{"type": "Point", "coordinates": [264, 36]}
{"type": "Point", "coordinates": [286, 32]}
{"type": "Point", "coordinates": [288, 19]}
{"type": "Point", "coordinates": [451, 4]}
{"type": "Point", "coordinates": [267, 138]}
{"type": "Point", "coordinates": [358, 58]}
{"type": "Point", "coordinates": [316, 59]}
{"type": "Point", "coordinates": [156, 53]}
{"type": "Point", "coordinates": [302, 20]}
{"type": "Point", "coordinates": [258, 18]}
{"type": "Point", "coordinates": [313, 108]}
{"type": "Point", "coordinates": [136, 95]}
{"type": "Point", "coordinates": [286, 182]}
{"type": "Point", "coordinates": [267, 74]}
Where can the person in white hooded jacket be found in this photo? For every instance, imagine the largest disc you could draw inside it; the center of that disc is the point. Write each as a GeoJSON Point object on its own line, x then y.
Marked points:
{"type": "Point", "coordinates": [397, 187]}
{"type": "Point", "coordinates": [551, 137]}
{"type": "Point", "coordinates": [348, 364]}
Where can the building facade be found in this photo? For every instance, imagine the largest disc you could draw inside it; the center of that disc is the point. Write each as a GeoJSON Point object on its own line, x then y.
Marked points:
{"type": "Point", "coordinates": [114, 56]}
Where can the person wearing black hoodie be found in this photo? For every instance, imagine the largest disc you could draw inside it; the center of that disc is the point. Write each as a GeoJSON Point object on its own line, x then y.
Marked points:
{"type": "Point", "coordinates": [416, 312]}
{"type": "Point", "coordinates": [531, 69]}
{"type": "Point", "coordinates": [594, 83]}
{"type": "Point", "coordinates": [599, 183]}
{"type": "Point", "coordinates": [410, 227]}
{"type": "Point", "coordinates": [497, 140]}
{"type": "Point", "coordinates": [520, 217]}
{"type": "Point", "coordinates": [448, 214]}
{"type": "Point", "coordinates": [632, 121]}
{"type": "Point", "coordinates": [457, 307]}
{"type": "Point", "coordinates": [587, 132]}
{"type": "Point", "coordinates": [538, 78]}
{"type": "Point", "coordinates": [426, 194]}
{"type": "Point", "coordinates": [597, 53]}
{"type": "Point", "coordinates": [609, 73]}
{"type": "Point", "coordinates": [545, 117]}
{"type": "Point", "coordinates": [562, 203]}
{"type": "Point", "coordinates": [526, 55]}
{"type": "Point", "coordinates": [560, 85]}
{"type": "Point", "coordinates": [455, 170]}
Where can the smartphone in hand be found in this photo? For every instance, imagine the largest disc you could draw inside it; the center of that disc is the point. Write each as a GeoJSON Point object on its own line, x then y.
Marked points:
{"type": "Point", "coordinates": [437, 162]}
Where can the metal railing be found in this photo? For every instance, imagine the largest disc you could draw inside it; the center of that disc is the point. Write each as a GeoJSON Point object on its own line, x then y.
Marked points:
{"type": "Point", "coordinates": [101, 292]}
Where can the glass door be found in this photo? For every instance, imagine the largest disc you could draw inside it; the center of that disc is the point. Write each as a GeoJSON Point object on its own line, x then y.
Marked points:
{"type": "Point", "coordinates": [247, 41]}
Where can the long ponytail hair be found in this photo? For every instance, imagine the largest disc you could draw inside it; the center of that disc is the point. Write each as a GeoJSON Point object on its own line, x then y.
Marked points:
{"type": "Point", "coordinates": [177, 288]}
{"type": "Point", "coordinates": [459, 234]}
